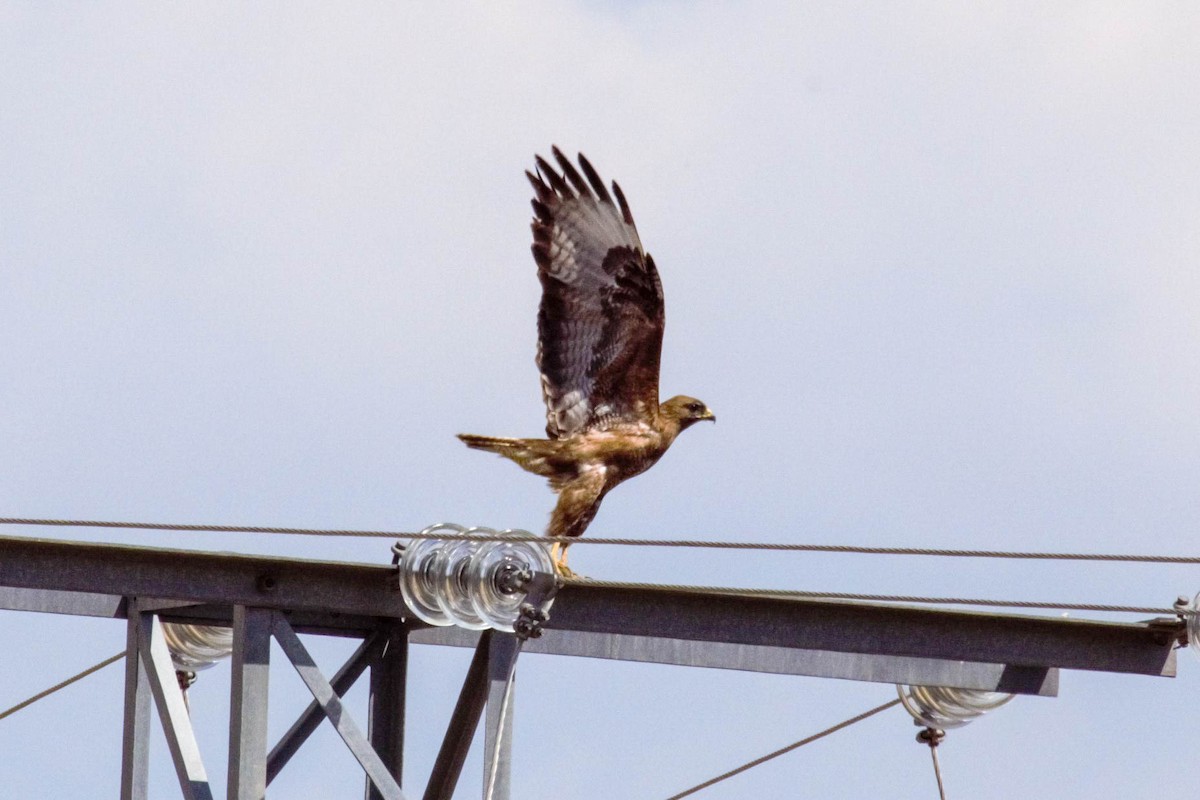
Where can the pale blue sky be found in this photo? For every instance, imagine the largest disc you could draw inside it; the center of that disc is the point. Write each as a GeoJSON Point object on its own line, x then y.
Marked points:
{"type": "Point", "coordinates": [933, 265]}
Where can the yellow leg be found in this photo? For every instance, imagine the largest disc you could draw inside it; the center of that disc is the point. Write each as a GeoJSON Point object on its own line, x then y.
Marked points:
{"type": "Point", "coordinates": [558, 554]}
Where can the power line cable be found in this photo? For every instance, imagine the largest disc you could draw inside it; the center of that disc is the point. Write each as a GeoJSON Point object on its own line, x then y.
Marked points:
{"type": "Point", "coordinates": [47, 692]}
{"type": "Point", "coordinates": [600, 540]}
{"type": "Point", "coordinates": [937, 773]}
{"type": "Point", "coordinates": [783, 750]}
{"type": "Point", "coordinates": [934, 737]}
{"type": "Point", "coordinates": [450, 536]}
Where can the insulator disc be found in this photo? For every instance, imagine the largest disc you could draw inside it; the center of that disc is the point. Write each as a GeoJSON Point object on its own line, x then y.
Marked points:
{"type": "Point", "coordinates": [418, 577]}
{"type": "Point", "coordinates": [1193, 625]}
{"type": "Point", "coordinates": [498, 607]}
{"type": "Point", "coordinates": [454, 585]}
{"type": "Point", "coordinates": [946, 707]}
{"type": "Point", "coordinates": [197, 647]}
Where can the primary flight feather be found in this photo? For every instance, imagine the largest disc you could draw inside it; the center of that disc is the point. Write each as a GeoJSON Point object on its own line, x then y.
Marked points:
{"type": "Point", "coordinates": [600, 328]}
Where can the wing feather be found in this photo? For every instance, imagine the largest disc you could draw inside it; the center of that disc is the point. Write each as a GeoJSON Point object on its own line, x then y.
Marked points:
{"type": "Point", "coordinates": [572, 174]}
{"type": "Point", "coordinates": [594, 179]}
{"type": "Point", "coordinates": [600, 322]}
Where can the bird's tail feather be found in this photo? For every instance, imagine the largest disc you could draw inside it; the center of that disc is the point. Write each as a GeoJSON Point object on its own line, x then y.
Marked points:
{"type": "Point", "coordinates": [495, 444]}
{"type": "Point", "coordinates": [531, 454]}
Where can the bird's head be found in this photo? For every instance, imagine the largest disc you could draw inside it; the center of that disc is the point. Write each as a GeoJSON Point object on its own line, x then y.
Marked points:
{"type": "Point", "coordinates": [687, 410]}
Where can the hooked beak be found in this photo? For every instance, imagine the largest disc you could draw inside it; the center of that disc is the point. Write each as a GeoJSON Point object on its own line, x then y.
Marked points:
{"type": "Point", "coordinates": [708, 415]}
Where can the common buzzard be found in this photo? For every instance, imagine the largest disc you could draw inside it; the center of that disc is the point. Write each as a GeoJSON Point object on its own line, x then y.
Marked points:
{"type": "Point", "coordinates": [600, 328]}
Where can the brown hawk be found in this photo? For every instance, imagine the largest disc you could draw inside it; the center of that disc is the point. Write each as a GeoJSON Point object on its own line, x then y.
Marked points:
{"type": "Point", "coordinates": [600, 328]}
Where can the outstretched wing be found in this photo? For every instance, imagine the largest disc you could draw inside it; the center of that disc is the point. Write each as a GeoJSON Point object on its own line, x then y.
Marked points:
{"type": "Point", "coordinates": [600, 324]}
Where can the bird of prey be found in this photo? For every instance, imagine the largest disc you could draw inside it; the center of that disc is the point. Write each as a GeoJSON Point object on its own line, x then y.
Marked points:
{"type": "Point", "coordinates": [600, 328]}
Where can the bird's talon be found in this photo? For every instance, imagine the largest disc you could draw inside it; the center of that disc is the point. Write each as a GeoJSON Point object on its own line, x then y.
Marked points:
{"type": "Point", "coordinates": [558, 556]}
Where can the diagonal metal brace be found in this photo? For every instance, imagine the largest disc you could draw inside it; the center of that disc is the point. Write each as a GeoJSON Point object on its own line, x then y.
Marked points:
{"type": "Point", "coordinates": [331, 704]}
{"type": "Point", "coordinates": [463, 722]}
{"type": "Point", "coordinates": [172, 710]}
{"type": "Point", "coordinates": [310, 719]}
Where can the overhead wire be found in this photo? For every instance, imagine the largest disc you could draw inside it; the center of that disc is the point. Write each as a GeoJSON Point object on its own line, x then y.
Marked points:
{"type": "Point", "coordinates": [937, 773]}
{"type": "Point", "coordinates": [793, 593]}
{"type": "Point", "coordinates": [701, 543]}
{"type": "Point", "coordinates": [933, 737]}
{"type": "Point", "coordinates": [61, 685]}
{"type": "Point", "coordinates": [625, 542]}
{"type": "Point", "coordinates": [784, 750]}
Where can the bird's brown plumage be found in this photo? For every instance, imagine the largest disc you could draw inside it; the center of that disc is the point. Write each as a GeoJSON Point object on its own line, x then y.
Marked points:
{"type": "Point", "coordinates": [600, 328]}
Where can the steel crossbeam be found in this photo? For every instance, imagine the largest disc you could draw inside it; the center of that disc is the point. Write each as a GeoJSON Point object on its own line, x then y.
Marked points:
{"type": "Point", "coordinates": [269, 597]}
{"type": "Point", "coordinates": [338, 597]}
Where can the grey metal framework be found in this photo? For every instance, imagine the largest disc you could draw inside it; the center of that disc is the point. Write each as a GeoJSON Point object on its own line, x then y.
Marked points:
{"type": "Point", "coordinates": [268, 597]}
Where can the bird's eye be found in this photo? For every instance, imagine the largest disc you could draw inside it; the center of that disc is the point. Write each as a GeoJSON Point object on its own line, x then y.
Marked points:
{"type": "Point", "coordinates": [695, 408]}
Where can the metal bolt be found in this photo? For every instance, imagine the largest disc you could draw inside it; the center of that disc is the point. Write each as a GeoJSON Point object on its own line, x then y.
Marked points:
{"type": "Point", "coordinates": [931, 736]}
{"type": "Point", "coordinates": [512, 578]}
{"type": "Point", "coordinates": [529, 624]}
